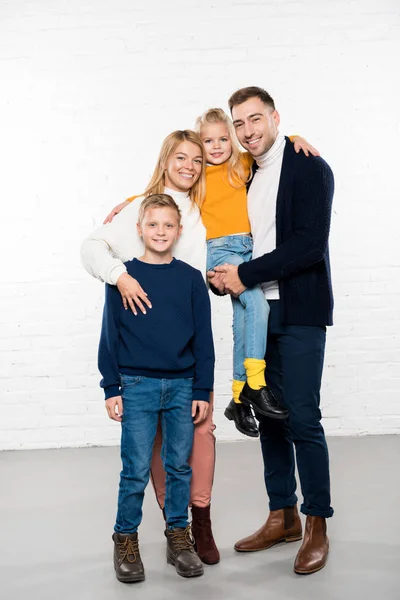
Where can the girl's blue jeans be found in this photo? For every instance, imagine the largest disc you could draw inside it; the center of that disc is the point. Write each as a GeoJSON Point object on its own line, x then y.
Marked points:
{"type": "Point", "coordinates": [145, 401]}
{"type": "Point", "coordinates": [250, 309]}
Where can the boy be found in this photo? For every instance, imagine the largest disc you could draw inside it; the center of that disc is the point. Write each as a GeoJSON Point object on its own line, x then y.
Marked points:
{"type": "Point", "coordinates": [157, 366]}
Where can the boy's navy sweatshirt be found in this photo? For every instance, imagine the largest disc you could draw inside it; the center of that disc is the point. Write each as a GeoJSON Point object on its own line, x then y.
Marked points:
{"type": "Point", "coordinates": [173, 340]}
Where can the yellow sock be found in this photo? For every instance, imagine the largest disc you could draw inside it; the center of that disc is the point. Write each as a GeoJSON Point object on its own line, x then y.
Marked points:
{"type": "Point", "coordinates": [237, 387]}
{"type": "Point", "coordinates": [255, 373]}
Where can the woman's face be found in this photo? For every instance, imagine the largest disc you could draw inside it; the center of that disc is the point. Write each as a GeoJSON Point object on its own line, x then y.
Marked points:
{"type": "Point", "coordinates": [183, 167]}
{"type": "Point", "coordinates": [217, 143]}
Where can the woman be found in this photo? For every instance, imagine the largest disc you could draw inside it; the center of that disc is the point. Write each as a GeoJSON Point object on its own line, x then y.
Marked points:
{"type": "Point", "coordinates": [180, 173]}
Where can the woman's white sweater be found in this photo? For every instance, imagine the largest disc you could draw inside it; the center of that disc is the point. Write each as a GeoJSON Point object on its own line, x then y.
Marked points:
{"type": "Point", "coordinates": [104, 252]}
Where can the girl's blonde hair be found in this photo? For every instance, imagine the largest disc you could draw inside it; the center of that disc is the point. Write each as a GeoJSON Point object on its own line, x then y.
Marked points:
{"type": "Point", "coordinates": [156, 184]}
{"type": "Point", "coordinates": [237, 175]}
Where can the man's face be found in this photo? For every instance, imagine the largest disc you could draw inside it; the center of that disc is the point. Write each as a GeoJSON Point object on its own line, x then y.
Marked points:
{"type": "Point", "coordinates": [256, 125]}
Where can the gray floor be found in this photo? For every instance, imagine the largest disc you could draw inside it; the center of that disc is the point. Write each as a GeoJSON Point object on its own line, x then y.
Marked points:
{"type": "Point", "coordinates": [57, 509]}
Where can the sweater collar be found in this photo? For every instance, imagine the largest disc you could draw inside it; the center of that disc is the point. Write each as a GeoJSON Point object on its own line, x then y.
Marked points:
{"type": "Point", "coordinates": [176, 195]}
{"type": "Point", "coordinates": [275, 150]}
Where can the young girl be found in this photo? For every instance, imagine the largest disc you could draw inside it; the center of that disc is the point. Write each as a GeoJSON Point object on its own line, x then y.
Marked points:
{"type": "Point", "coordinates": [224, 214]}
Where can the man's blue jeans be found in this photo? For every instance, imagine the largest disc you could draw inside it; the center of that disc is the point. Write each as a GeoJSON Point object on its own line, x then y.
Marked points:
{"type": "Point", "coordinates": [250, 309]}
{"type": "Point", "coordinates": [145, 401]}
{"type": "Point", "coordinates": [295, 359]}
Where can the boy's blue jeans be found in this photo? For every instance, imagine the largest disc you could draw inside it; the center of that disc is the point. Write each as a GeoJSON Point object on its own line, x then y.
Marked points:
{"type": "Point", "coordinates": [145, 401]}
{"type": "Point", "coordinates": [250, 309]}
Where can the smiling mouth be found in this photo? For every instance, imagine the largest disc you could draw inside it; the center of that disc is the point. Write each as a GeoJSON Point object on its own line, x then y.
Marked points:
{"type": "Point", "coordinates": [186, 175]}
{"type": "Point", "coordinates": [253, 142]}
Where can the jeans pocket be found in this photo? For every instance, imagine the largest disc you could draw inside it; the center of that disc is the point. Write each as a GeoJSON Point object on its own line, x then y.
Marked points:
{"type": "Point", "coordinates": [128, 381]}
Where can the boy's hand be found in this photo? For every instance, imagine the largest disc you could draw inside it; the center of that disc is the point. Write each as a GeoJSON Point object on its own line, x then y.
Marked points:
{"type": "Point", "coordinates": [201, 408]}
{"type": "Point", "coordinates": [132, 293]}
{"type": "Point", "coordinates": [114, 408]}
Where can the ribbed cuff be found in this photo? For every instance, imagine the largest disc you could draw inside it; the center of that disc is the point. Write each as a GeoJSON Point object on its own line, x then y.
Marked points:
{"type": "Point", "coordinates": [111, 391]}
{"type": "Point", "coordinates": [115, 273]}
{"type": "Point", "coordinates": [203, 395]}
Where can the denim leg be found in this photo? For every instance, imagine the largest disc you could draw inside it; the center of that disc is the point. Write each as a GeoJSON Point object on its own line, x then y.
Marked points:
{"type": "Point", "coordinates": [295, 359]}
{"type": "Point", "coordinates": [177, 433]}
{"type": "Point", "coordinates": [250, 324]}
{"type": "Point", "coordinates": [238, 327]}
{"type": "Point", "coordinates": [255, 322]}
{"type": "Point", "coordinates": [141, 409]}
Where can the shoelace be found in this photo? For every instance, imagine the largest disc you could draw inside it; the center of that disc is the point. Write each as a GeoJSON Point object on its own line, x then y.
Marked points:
{"type": "Point", "coordinates": [128, 549]}
{"type": "Point", "coordinates": [182, 539]}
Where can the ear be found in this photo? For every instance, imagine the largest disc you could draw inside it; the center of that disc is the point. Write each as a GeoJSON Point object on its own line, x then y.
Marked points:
{"type": "Point", "coordinates": [139, 229]}
{"type": "Point", "coordinates": [276, 117]}
{"type": "Point", "coordinates": [178, 235]}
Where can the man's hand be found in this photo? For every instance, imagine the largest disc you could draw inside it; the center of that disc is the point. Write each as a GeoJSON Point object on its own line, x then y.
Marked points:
{"type": "Point", "coordinates": [132, 293]}
{"type": "Point", "coordinates": [231, 280]}
{"type": "Point", "coordinates": [216, 280]}
{"type": "Point", "coordinates": [201, 408]}
{"type": "Point", "coordinates": [117, 209]}
{"type": "Point", "coordinates": [114, 408]}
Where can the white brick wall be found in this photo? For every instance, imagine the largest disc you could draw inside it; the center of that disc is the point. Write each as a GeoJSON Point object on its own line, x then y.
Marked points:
{"type": "Point", "coordinates": [89, 90]}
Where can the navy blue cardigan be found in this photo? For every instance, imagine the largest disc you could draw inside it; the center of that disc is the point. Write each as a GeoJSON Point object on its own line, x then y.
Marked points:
{"type": "Point", "coordinates": [300, 261]}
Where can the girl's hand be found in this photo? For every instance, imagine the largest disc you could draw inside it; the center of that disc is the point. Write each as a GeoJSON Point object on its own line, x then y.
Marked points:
{"type": "Point", "coordinates": [301, 143]}
{"type": "Point", "coordinates": [132, 293]}
{"type": "Point", "coordinates": [114, 408]}
{"type": "Point", "coordinates": [117, 209]}
{"type": "Point", "coordinates": [201, 408]}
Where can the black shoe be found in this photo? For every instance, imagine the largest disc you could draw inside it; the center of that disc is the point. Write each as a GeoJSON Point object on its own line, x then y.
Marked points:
{"type": "Point", "coordinates": [243, 417]}
{"type": "Point", "coordinates": [127, 562]}
{"type": "Point", "coordinates": [263, 402]}
{"type": "Point", "coordinates": [181, 552]}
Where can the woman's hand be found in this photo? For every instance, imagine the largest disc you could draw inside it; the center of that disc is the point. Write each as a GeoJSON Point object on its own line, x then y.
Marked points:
{"type": "Point", "coordinates": [132, 294]}
{"type": "Point", "coordinates": [199, 407]}
{"type": "Point", "coordinates": [301, 143]}
{"type": "Point", "coordinates": [117, 209]}
{"type": "Point", "coordinates": [114, 408]}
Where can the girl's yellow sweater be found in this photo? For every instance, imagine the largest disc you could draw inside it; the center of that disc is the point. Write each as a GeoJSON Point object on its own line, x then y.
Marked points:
{"type": "Point", "coordinates": [224, 210]}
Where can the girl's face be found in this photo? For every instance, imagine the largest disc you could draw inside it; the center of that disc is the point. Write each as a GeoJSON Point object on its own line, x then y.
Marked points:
{"type": "Point", "coordinates": [183, 167]}
{"type": "Point", "coordinates": [217, 143]}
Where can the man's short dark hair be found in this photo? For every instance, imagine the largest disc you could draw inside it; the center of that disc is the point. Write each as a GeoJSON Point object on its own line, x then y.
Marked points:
{"type": "Point", "coordinates": [251, 92]}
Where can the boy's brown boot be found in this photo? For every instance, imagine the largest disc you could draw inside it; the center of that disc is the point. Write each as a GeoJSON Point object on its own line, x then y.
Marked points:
{"type": "Point", "coordinates": [282, 525]}
{"type": "Point", "coordinates": [203, 535]}
{"type": "Point", "coordinates": [127, 562]}
{"type": "Point", "coordinates": [181, 552]}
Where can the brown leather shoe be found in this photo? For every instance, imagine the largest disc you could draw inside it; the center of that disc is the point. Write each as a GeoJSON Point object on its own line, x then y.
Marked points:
{"type": "Point", "coordinates": [181, 552]}
{"type": "Point", "coordinates": [127, 562]}
{"type": "Point", "coordinates": [282, 525]}
{"type": "Point", "coordinates": [203, 535]}
{"type": "Point", "coordinates": [313, 553]}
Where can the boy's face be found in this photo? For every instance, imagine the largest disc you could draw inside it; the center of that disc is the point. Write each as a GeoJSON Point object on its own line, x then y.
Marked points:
{"type": "Point", "coordinates": [160, 229]}
{"type": "Point", "coordinates": [256, 125]}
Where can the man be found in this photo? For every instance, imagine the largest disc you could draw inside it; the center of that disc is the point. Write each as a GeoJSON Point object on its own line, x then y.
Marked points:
{"type": "Point", "coordinates": [289, 204]}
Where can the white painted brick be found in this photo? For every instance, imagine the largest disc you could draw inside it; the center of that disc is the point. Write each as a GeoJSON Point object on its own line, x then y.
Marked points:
{"type": "Point", "coordinates": [92, 88]}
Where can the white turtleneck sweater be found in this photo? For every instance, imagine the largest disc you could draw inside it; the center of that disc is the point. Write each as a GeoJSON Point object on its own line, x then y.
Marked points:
{"type": "Point", "coordinates": [108, 247]}
{"type": "Point", "coordinates": [261, 206]}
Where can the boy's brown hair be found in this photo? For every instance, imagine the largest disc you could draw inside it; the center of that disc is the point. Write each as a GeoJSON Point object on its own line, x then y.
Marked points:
{"type": "Point", "coordinates": [250, 92]}
{"type": "Point", "coordinates": [158, 201]}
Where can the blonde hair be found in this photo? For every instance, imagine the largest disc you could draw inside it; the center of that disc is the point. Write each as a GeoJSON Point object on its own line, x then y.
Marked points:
{"type": "Point", "coordinates": [237, 176]}
{"type": "Point", "coordinates": [156, 184]}
{"type": "Point", "coordinates": [158, 201]}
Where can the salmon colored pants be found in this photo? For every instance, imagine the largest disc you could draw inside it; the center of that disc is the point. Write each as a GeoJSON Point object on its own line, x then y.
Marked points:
{"type": "Point", "coordinates": [202, 462]}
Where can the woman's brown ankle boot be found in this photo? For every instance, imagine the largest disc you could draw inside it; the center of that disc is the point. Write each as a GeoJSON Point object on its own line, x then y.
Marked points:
{"type": "Point", "coordinates": [203, 535]}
